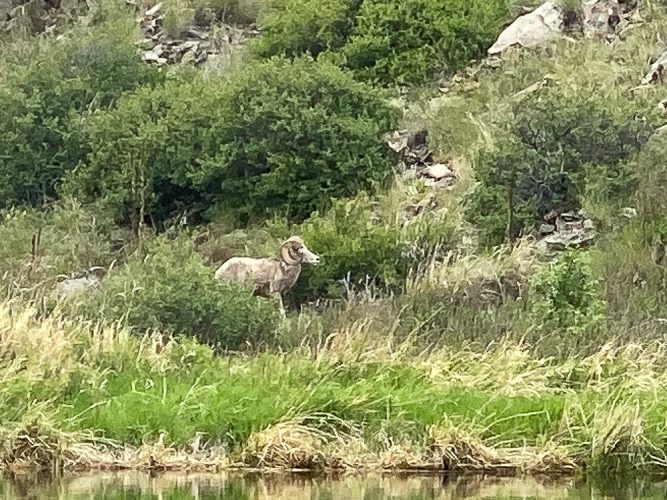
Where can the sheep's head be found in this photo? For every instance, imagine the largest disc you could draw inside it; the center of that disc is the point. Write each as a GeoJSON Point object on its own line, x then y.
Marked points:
{"type": "Point", "coordinates": [295, 251]}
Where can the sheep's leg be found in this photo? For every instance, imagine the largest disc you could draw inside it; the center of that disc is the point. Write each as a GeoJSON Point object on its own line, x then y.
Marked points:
{"type": "Point", "coordinates": [283, 313]}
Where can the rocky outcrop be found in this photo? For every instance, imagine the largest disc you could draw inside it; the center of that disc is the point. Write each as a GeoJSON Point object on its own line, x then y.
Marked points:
{"type": "Point", "coordinates": [566, 230]}
{"type": "Point", "coordinates": [552, 19]}
{"type": "Point", "coordinates": [203, 41]}
{"type": "Point", "coordinates": [43, 16]}
{"type": "Point", "coordinates": [656, 74]}
{"type": "Point", "coordinates": [416, 158]}
{"type": "Point", "coordinates": [529, 30]}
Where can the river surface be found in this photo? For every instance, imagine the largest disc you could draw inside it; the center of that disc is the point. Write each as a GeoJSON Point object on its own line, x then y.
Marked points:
{"type": "Point", "coordinates": [163, 486]}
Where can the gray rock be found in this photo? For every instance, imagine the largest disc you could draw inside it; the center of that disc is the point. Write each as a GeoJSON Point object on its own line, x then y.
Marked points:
{"type": "Point", "coordinates": [550, 20]}
{"type": "Point", "coordinates": [629, 212]}
{"type": "Point", "coordinates": [438, 171]}
{"type": "Point", "coordinates": [547, 228]}
{"type": "Point", "coordinates": [532, 29]}
{"type": "Point", "coordinates": [150, 56]}
{"type": "Point", "coordinates": [397, 140]}
{"type": "Point", "coordinates": [154, 10]}
{"type": "Point", "coordinates": [81, 282]}
{"type": "Point", "coordinates": [657, 72]}
{"type": "Point", "coordinates": [571, 230]}
{"type": "Point", "coordinates": [201, 35]}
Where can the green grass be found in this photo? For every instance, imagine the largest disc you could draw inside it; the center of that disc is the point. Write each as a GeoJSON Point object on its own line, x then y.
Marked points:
{"type": "Point", "coordinates": [607, 408]}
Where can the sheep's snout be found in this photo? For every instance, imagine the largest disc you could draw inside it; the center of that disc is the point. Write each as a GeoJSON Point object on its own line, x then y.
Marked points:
{"type": "Point", "coordinates": [309, 257]}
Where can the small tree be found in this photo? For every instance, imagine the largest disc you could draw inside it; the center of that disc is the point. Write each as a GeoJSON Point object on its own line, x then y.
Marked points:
{"type": "Point", "coordinates": [565, 296]}
{"type": "Point", "coordinates": [557, 145]}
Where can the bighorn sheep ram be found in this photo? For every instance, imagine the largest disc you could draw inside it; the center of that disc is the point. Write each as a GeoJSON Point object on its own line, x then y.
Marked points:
{"type": "Point", "coordinates": [270, 276]}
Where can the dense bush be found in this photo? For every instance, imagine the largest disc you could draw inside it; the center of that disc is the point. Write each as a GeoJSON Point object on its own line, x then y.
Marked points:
{"type": "Point", "coordinates": [565, 296]}
{"type": "Point", "coordinates": [353, 249]}
{"type": "Point", "coordinates": [171, 290]}
{"type": "Point", "coordinates": [294, 136]}
{"type": "Point", "coordinates": [407, 42]}
{"type": "Point", "coordinates": [651, 171]}
{"type": "Point", "coordinates": [280, 137]}
{"type": "Point", "coordinates": [142, 152]}
{"type": "Point", "coordinates": [556, 146]}
{"type": "Point", "coordinates": [410, 42]}
{"type": "Point", "coordinates": [363, 245]}
{"type": "Point", "coordinates": [295, 27]}
{"type": "Point", "coordinates": [42, 100]}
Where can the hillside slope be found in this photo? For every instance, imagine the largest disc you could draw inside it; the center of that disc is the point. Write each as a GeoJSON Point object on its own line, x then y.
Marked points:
{"type": "Point", "coordinates": [492, 230]}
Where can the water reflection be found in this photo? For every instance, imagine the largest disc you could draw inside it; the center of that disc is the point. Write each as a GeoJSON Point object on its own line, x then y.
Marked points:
{"type": "Point", "coordinates": [135, 485]}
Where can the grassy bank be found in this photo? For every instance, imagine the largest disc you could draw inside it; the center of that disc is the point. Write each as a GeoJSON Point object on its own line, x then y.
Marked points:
{"type": "Point", "coordinates": [75, 395]}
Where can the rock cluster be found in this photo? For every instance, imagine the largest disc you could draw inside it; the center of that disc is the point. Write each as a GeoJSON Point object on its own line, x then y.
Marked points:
{"type": "Point", "coordinates": [195, 45]}
{"type": "Point", "coordinates": [566, 230]}
{"type": "Point", "coordinates": [416, 157]}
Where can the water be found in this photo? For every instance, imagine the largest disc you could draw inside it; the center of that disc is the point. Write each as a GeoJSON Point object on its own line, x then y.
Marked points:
{"type": "Point", "coordinates": [163, 486]}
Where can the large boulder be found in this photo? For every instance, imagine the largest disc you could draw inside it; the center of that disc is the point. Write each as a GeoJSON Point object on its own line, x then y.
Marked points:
{"type": "Point", "coordinates": [604, 18]}
{"type": "Point", "coordinates": [529, 30]}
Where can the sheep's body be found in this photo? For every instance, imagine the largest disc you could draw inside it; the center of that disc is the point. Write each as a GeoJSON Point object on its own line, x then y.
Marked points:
{"type": "Point", "coordinates": [270, 276]}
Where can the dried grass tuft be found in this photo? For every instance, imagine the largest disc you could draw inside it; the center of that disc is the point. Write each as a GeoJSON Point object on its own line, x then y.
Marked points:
{"type": "Point", "coordinates": [298, 443]}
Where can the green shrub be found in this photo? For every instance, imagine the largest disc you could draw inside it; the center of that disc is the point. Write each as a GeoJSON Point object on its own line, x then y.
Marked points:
{"type": "Point", "coordinates": [651, 171]}
{"type": "Point", "coordinates": [566, 297]}
{"type": "Point", "coordinates": [295, 27]}
{"type": "Point", "coordinates": [407, 42]}
{"type": "Point", "coordinates": [362, 245]}
{"type": "Point", "coordinates": [42, 102]}
{"type": "Point", "coordinates": [142, 151]}
{"type": "Point", "coordinates": [171, 290]}
{"type": "Point", "coordinates": [353, 250]}
{"type": "Point", "coordinates": [295, 135]}
{"type": "Point", "coordinates": [281, 137]}
{"type": "Point", "coordinates": [557, 145]}
{"type": "Point", "coordinates": [410, 42]}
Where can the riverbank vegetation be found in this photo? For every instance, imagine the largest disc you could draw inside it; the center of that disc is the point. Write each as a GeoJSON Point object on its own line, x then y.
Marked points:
{"type": "Point", "coordinates": [101, 397]}
{"type": "Point", "coordinates": [437, 332]}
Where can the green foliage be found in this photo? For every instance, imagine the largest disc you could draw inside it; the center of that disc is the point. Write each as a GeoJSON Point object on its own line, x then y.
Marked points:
{"type": "Point", "coordinates": [280, 137]}
{"type": "Point", "coordinates": [42, 101]}
{"type": "Point", "coordinates": [236, 11]}
{"type": "Point", "coordinates": [295, 27]}
{"type": "Point", "coordinates": [362, 246]}
{"type": "Point", "coordinates": [651, 170]}
{"type": "Point", "coordinates": [355, 251]}
{"type": "Point", "coordinates": [171, 290]}
{"type": "Point", "coordinates": [297, 134]}
{"type": "Point", "coordinates": [566, 296]}
{"type": "Point", "coordinates": [142, 152]}
{"type": "Point", "coordinates": [410, 42]}
{"type": "Point", "coordinates": [406, 42]}
{"type": "Point", "coordinates": [68, 238]}
{"type": "Point", "coordinates": [557, 146]}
